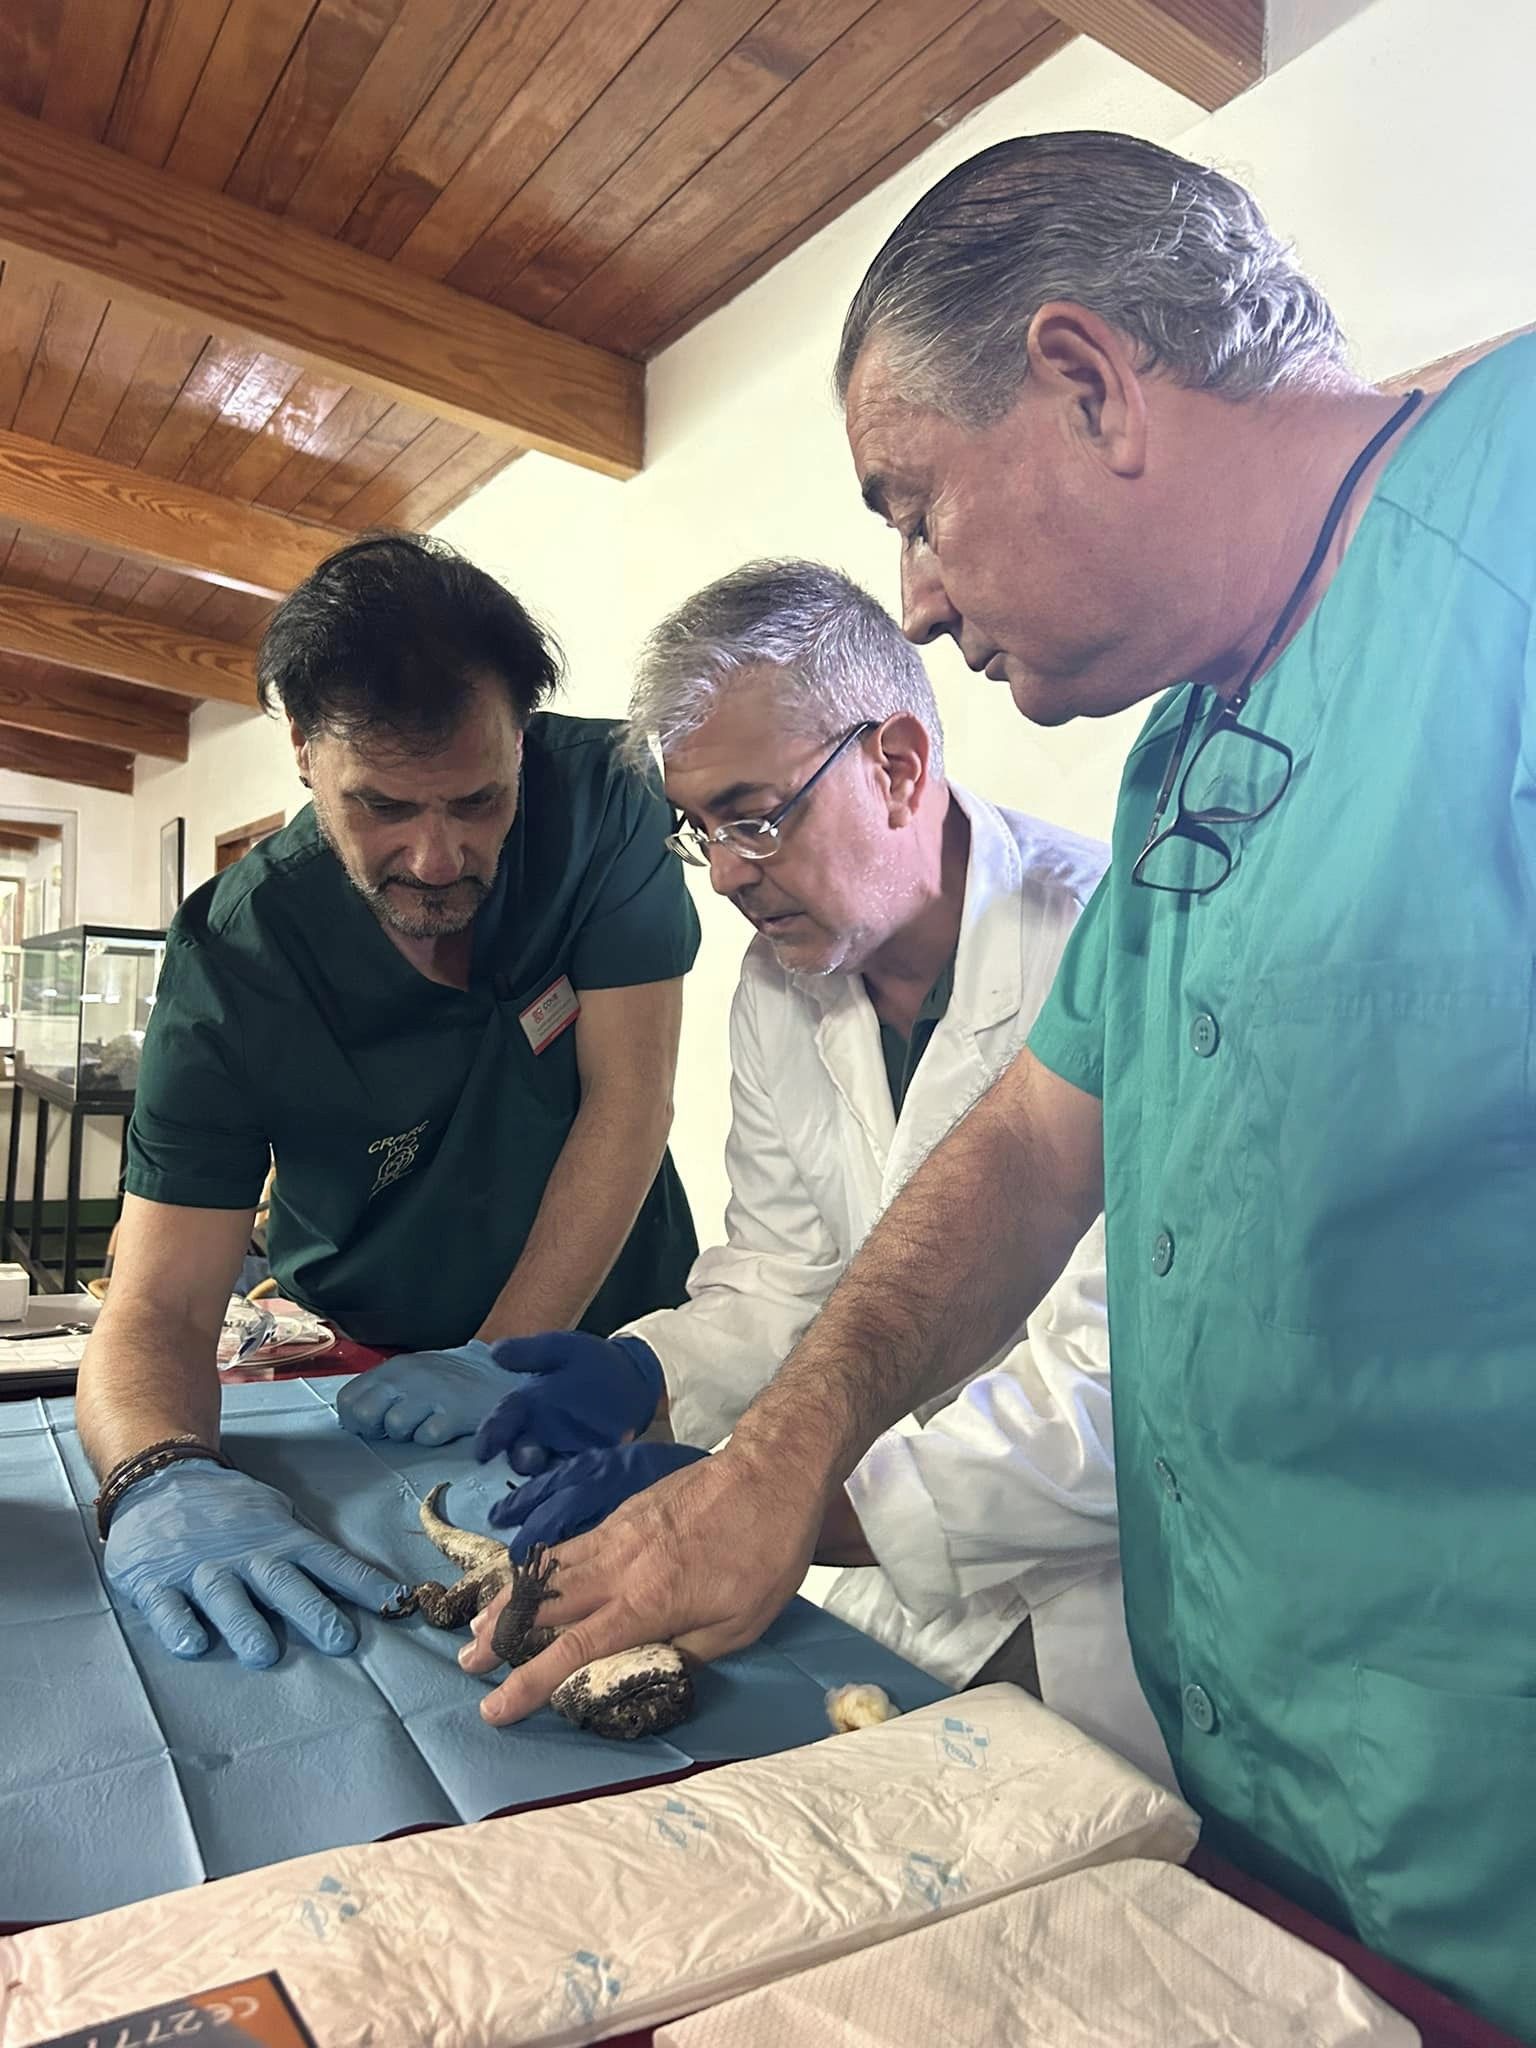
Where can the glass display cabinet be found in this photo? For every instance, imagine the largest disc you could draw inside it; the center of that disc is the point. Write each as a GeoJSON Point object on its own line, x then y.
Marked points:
{"type": "Point", "coordinates": [84, 1000]}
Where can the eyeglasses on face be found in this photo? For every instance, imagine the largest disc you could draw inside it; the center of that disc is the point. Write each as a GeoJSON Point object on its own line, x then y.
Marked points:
{"type": "Point", "coordinates": [757, 838]}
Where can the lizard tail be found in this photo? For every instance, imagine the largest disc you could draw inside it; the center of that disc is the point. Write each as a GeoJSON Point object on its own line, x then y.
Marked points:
{"type": "Point", "coordinates": [474, 1553]}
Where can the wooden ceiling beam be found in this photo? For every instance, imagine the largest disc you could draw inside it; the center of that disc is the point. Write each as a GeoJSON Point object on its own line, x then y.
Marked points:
{"type": "Point", "coordinates": [30, 828]}
{"type": "Point", "coordinates": [130, 512]}
{"type": "Point", "coordinates": [1209, 50]}
{"type": "Point", "coordinates": [151, 652]}
{"type": "Point", "coordinates": [131, 230]}
{"type": "Point", "coordinates": [36, 698]}
{"type": "Point", "coordinates": [33, 753]}
{"type": "Point", "coordinates": [12, 842]}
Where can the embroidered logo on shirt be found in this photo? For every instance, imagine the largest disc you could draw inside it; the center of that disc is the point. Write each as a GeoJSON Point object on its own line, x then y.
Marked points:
{"type": "Point", "coordinates": [396, 1157]}
{"type": "Point", "coordinates": [549, 1014]}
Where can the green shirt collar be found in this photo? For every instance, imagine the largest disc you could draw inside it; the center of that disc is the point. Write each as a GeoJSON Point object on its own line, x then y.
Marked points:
{"type": "Point", "coordinates": [904, 1055]}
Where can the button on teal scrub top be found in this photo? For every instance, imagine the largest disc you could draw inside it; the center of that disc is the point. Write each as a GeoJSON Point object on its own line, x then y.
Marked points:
{"type": "Point", "coordinates": [414, 1126]}
{"type": "Point", "coordinates": [1319, 1093]}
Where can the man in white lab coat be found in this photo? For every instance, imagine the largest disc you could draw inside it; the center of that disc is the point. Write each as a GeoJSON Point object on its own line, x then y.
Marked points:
{"type": "Point", "coordinates": [908, 933]}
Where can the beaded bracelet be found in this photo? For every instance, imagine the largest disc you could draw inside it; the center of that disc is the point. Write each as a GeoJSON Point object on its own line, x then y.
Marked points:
{"type": "Point", "coordinates": [153, 1458]}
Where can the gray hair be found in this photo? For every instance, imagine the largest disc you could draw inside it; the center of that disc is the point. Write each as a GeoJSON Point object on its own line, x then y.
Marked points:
{"type": "Point", "coordinates": [835, 657]}
{"type": "Point", "coordinates": [1177, 257]}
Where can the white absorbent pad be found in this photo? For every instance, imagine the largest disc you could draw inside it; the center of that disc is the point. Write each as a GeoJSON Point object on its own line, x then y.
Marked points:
{"type": "Point", "coordinates": [1130, 1955]}
{"type": "Point", "coordinates": [584, 1921]}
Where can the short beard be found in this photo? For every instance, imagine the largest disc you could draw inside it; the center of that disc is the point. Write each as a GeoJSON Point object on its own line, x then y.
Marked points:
{"type": "Point", "coordinates": [839, 961]}
{"type": "Point", "coordinates": [436, 914]}
{"type": "Point", "coordinates": [425, 913]}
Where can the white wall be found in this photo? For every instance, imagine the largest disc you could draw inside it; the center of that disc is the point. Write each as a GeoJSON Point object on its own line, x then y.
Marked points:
{"type": "Point", "coordinates": [1292, 26]}
{"type": "Point", "coordinates": [240, 768]}
{"type": "Point", "coordinates": [1396, 153]}
{"type": "Point", "coordinates": [103, 835]}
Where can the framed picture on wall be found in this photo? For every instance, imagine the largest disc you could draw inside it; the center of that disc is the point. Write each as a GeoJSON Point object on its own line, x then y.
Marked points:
{"type": "Point", "coordinates": [173, 867]}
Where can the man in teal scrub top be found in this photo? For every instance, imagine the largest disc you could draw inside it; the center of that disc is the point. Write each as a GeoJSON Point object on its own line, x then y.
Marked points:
{"type": "Point", "coordinates": [444, 1002]}
{"type": "Point", "coordinates": [1290, 1045]}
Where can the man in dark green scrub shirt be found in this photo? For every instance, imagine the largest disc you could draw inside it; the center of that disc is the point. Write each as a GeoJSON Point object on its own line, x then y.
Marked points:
{"type": "Point", "coordinates": [444, 1004]}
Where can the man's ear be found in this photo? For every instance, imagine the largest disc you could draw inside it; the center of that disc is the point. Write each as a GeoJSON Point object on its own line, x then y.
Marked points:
{"type": "Point", "coordinates": [1091, 367]}
{"type": "Point", "coordinates": [904, 750]}
{"type": "Point", "coordinates": [300, 752]}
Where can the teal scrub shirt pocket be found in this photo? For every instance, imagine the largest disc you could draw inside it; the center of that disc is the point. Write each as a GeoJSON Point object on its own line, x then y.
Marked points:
{"type": "Point", "coordinates": [1437, 1777]}
{"type": "Point", "coordinates": [1394, 1180]}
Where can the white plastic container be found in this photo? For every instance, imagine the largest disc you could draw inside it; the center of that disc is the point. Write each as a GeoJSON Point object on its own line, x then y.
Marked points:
{"type": "Point", "coordinates": [15, 1286]}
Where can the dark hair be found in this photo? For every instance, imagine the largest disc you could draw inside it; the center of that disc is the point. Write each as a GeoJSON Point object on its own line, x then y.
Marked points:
{"type": "Point", "coordinates": [389, 637]}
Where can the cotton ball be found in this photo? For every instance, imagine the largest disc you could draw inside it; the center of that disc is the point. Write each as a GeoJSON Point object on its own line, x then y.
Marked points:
{"type": "Point", "coordinates": [859, 1706]}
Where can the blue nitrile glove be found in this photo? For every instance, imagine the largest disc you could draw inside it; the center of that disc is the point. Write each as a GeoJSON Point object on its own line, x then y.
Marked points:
{"type": "Point", "coordinates": [431, 1396]}
{"type": "Point", "coordinates": [592, 1392]}
{"type": "Point", "coordinates": [578, 1493]}
{"type": "Point", "coordinates": [197, 1537]}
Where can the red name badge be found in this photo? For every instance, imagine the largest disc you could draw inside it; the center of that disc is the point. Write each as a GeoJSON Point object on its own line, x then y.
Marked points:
{"type": "Point", "coordinates": [549, 1014]}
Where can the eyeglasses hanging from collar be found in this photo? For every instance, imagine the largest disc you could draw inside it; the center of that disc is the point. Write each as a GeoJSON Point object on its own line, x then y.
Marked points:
{"type": "Point", "coordinates": [1237, 774]}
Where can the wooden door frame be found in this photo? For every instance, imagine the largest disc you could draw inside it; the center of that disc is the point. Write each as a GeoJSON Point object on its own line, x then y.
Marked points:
{"type": "Point", "coordinates": [244, 837]}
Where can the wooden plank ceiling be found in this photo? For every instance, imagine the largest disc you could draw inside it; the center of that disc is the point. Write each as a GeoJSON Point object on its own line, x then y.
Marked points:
{"type": "Point", "coordinates": [362, 252]}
